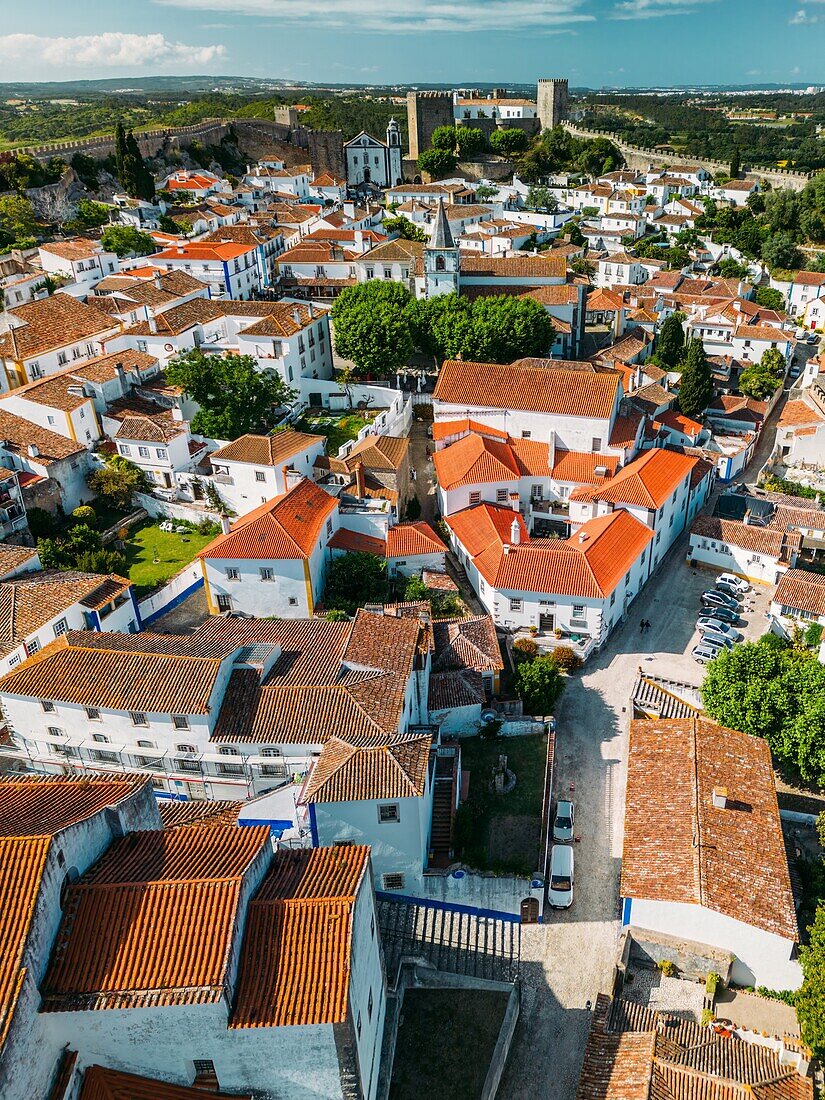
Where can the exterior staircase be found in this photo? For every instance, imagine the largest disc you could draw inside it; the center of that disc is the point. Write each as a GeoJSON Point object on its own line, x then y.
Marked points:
{"type": "Point", "coordinates": [444, 798]}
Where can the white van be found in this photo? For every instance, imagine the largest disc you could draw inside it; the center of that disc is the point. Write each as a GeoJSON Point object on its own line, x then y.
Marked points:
{"type": "Point", "coordinates": [705, 651]}
{"type": "Point", "coordinates": [560, 890]}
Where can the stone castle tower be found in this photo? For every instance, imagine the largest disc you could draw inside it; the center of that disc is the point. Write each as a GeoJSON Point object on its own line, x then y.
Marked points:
{"type": "Point", "coordinates": [552, 102]}
{"type": "Point", "coordinates": [425, 112]}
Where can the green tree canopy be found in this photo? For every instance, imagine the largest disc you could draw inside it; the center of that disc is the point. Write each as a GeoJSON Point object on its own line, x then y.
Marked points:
{"type": "Point", "coordinates": [124, 240]}
{"type": "Point", "coordinates": [539, 684]}
{"type": "Point", "coordinates": [769, 298]}
{"type": "Point", "coordinates": [780, 250]}
{"type": "Point", "coordinates": [773, 691]}
{"type": "Point", "coordinates": [508, 143]}
{"type": "Point", "coordinates": [495, 329]}
{"type": "Point", "coordinates": [355, 579]}
{"type": "Point", "coordinates": [671, 342]}
{"type": "Point", "coordinates": [759, 382]}
{"type": "Point", "coordinates": [471, 142]}
{"type": "Point", "coordinates": [444, 137]}
{"type": "Point", "coordinates": [543, 199]}
{"type": "Point", "coordinates": [17, 220]}
{"type": "Point", "coordinates": [80, 548]}
{"type": "Point", "coordinates": [117, 481]}
{"type": "Point", "coordinates": [373, 326]}
{"type": "Point", "coordinates": [437, 162]}
{"type": "Point", "coordinates": [810, 999]}
{"type": "Point", "coordinates": [404, 228]}
{"type": "Point", "coordinates": [234, 396]}
{"type": "Point", "coordinates": [132, 172]}
{"type": "Point", "coordinates": [485, 192]}
{"type": "Point", "coordinates": [696, 383]}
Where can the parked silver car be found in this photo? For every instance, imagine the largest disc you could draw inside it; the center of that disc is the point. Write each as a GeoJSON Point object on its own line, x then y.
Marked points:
{"type": "Point", "coordinates": [560, 890]}
{"type": "Point", "coordinates": [705, 652]}
{"type": "Point", "coordinates": [563, 823]}
{"type": "Point", "coordinates": [710, 624]}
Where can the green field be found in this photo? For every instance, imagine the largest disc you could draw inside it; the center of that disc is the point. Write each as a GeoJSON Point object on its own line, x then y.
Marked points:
{"type": "Point", "coordinates": [146, 542]}
{"type": "Point", "coordinates": [502, 832]}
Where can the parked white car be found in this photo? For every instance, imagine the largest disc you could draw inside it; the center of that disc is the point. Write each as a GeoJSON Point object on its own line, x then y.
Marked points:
{"type": "Point", "coordinates": [563, 823]}
{"type": "Point", "coordinates": [709, 624]}
{"type": "Point", "coordinates": [705, 651]}
{"type": "Point", "coordinates": [560, 891]}
{"type": "Point", "coordinates": [733, 581]}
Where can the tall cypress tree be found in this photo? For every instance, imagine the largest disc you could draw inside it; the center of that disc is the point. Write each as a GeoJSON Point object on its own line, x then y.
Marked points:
{"type": "Point", "coordinates": [120, 152]}
{"type": "Point", "coordinates": [143, 182]}
{"type": "Point", "coordinates": [670, 343]}
{"type": "Point", "coordinates": [696, 383]}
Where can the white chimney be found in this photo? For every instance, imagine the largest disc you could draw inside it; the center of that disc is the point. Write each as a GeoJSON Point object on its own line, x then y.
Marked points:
{"type": "Point", "coordinates": [157, 281]}
{"type": "Point", "coordinates": [720, 797]}
{"type": "Point", "coordinates": [515, 531]}
{"type": "Point", "coordinates": [583, 536]}
{"type": "Point", "coordinates": [296, 316]}
{"type": "Point", "coordinates": [33, 450]}
{"type": "Point", "coordinates": [153, 325]}
{"type": "Point", "coordinates": [226, 526]}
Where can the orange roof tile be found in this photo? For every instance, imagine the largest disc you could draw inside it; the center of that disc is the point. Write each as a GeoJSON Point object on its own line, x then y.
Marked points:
{"type": "Point", "coordinates": [799, 413]}
{"type": "Point", "coordinates": [560, 391]}
{"type": "Point", "coordinates": [475, 460]}
{"type": "Point", "coordinates": [650, 480]}
{"type": "Point", "coordinates": [152, 922]}
{"type": "Point", "coordinates": [351, 773]}
{"type": "Point", "coordinates": [266, 450]}
{"type": "Point", "coordinates": [356, 542]}
{"type": "Point", "coordinates": [286, 527]}
{"type": "Point", "coordinates": [22, 862]}
{"type": "Point", "coordinates": [672, 419]}
{"type": "Point", "coordinates": [445, 429]}
{"type": "Point", "coordinates": [191, 250]}
{"type": "Point", "coordinates": [801, 591]}
{"type": "Point", "coordinates": [407, 540]}
{"type": "Point", "coordinates": [580, 467]}
{"type": "Point", "coordinates": [109, 1084]}
{"type": "Point", "coordinates": [45, 805]}
{"type": "Point", "coordinates": [679, 847]}
{"type": "Point", "coordinates": [296, 957]}
{"type": "Point", "coordinates": [590, 564]}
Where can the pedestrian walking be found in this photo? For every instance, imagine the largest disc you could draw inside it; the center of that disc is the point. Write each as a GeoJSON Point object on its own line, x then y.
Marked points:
{"type": "Point", "coordinates": [642, 627]}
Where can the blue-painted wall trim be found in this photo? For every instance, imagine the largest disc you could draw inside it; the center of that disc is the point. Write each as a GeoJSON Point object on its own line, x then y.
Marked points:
{"type": "Point", "coordinates": [181, 596]}
{"type": "Point", "coordinates": [448, 906]}
{"type": "Point", "coordinates": [313, 826]}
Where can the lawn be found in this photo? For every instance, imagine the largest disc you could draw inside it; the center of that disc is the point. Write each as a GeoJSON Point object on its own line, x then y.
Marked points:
{"type": "Point", "coordinates": [146, 542]}
{"type": "Point", "coordinates": [445, 1043]}
{"type": "Point", "coordinates": [338, 429]}
{"type": "Point", "coordinates": [502, 832]}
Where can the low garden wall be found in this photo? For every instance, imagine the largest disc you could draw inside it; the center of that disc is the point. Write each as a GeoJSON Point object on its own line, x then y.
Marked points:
{"type": "Point", "coordinates": [171, 594]}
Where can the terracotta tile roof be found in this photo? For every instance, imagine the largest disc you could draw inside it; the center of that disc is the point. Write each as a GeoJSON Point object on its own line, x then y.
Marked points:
{"type": "Point", "coordinates": [809, 278]}
{"type": "Point", "coordinates": [12, 557]}
{"type": "Point", "coordinates": [455, 688]}
{"type": "Point", "coordinates": [357, 542]}
{"type": "Point", "coordinates": [738, 408]}
{"type": "Point", "coordinates": [22, 863]}
{"type": "Point", "coordinates": [332, 680]}
{"type": "Point", "coordinates": [152, 922]}
{"type": "Point", "coordinates": [32, 600]}
{"type": "Point", "coordinates": [395, 251]}
{"type": "Point", "coordinates": [55, 390]}
{"type": "Point", "coordinates": [109, 1084]}
{"type": "Point", "coordinates": [650, 480]}
{"type": "Point", "coordinates": [17, 435]}
{"type": "Point", "coordinates": [407, 540]}
{"type": "Point", "coordinates": [590, 564]}
{"type": "Point", "coordinates": [185, 815]}
{"type": "Point", "coordinates": [787, 517]}
{"type": "Point", "coordinates": [679, 848]}
{"type": "Point", "coordinates": [438, 582]}
{"type": "Point", "coordinates": [476, 460]}
{"type": "Point", "coordinates": [85, 668]}
{"type": "Point", "coordinates": [52, 323]}
{"type": "Point", "coordinates": [102, 368]}
{"type": "Point", "coordinates": [446, 429]}
{"type": "Point", "coordinates": [799, 413]}
{"type": "Point", "coordinates": [44, 805]}
{"type": "Point", "coordinates": [672, 419]}
{"type": "Point", "coordinates": [78, 248]}
{"type": "Point", "coordinates": [801, 591]}
{"type": "Point", "coordinates": [580, 467]}
{"type": "Point", "coordinates": [626, 428]}
{"type": "Point", "coordinates": [469, 643]}
{"type": "Point", "coordinates": [543, 265]}
{"type": "Point", "coordinates": [349, 773]}
{"type": "Point", "coordinates": [559, 391]}
{"type": "Point", "coordinates": [379, 452]}
{"type": "Point", "coordinates": [781, 545]}
{"type": "Point", "coordinates": [634, 1053]}
{"type": "Point", "coordinates": [296, 958]}
{"type": "Point", "coordinates": [287, 526]}
{"type": "Point", "coordinates": [151, 429]}
{"type": "Point", "coordinates": [217, 251]}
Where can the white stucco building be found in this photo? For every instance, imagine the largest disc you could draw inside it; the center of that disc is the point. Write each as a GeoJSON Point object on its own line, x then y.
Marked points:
{"type": "Point", "coordinates": [370, 160]}
{"type": "Point", "coordinates": [704, 858]}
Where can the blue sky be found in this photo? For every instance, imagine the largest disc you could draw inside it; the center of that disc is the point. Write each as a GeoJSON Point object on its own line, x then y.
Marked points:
{"type": "Point", "coordinates": [593, 42]}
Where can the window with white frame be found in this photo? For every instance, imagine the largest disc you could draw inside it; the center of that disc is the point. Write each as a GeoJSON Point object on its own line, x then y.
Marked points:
{"type": "Point", "coordinates": [93, 714]}
{"type": "Point", "coordinates": [60, 627]}
{"type": "Point", "coordinates": [260, 475]}
{"type": "Point", "coordinates": [516, 605]}
{"type": "Point", "coordinates": [388, 813]}
{"type": "Point", "coordinates": [180, 721]}
{"type": "Point", "coordinates": [232, 574]}
{"type": "Point", "coordinates": [267, 573]}
{"type": "Point", "coordinates": [47, 705]}
{"type": "Point", "coordinates": [143, 452]}
{"type": "Point", "coordinates": [138, 718]}
{"type": "Point", "coordinates": [578, 610]}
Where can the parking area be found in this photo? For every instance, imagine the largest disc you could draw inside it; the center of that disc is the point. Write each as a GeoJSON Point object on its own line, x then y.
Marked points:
{"type": "Point", "coordinates": [567, 960]}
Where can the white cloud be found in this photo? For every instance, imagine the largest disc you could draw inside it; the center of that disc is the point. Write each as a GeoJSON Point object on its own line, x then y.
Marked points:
{"type": "Point", "coordinates": [407, 16]}
{"type": "Point", "coordinates": [802, 17]}
{"type": "Point", "coordinates": [653, 9]}
{"type": "Point", "coordinates": [110, 50]}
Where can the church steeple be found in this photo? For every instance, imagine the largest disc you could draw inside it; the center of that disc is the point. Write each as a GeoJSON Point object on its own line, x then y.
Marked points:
{"type": "Point", "coordinates": [441, 257]}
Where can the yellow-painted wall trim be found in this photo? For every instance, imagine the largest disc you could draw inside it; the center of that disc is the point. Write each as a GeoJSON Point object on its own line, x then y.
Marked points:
{"type": "Point", "coordinates": [308, 583]}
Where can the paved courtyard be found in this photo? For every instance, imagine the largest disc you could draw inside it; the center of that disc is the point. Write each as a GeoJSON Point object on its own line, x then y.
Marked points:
{"type": "Point", "coordinates": [569, 959]}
